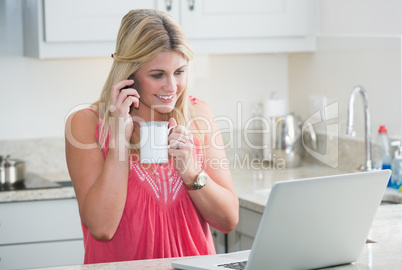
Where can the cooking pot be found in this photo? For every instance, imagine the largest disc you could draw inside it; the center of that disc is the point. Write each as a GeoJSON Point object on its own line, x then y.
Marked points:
{"type": "Point", "coordinates": [12, 171]}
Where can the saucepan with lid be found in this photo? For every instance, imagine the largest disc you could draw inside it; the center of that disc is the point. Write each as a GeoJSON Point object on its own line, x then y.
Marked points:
{"type": "Point", "coordinates": [12, 171]}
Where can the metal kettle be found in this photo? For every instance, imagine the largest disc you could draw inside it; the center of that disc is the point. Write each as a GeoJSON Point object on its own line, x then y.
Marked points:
{"type": "Point", "coordinates": [288, 141]}
{"type": "Point", "coordinates": [12, 171]}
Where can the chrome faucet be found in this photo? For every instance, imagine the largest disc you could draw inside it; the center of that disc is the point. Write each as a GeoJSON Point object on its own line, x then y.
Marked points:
{"type": "Point", "coordinates": [368, 166]}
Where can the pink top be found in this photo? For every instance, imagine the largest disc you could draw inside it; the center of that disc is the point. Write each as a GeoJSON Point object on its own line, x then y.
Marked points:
{"type": "Point", "coordinates": [159, 220]}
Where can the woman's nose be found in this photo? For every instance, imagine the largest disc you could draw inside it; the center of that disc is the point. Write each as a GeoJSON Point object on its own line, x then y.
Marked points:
{"type": "Point", "coordinates": [170, 84]}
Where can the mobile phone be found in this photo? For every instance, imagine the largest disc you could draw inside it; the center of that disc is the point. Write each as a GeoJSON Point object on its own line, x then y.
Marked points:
{"type": "Point", "coordinates": [129, 86]}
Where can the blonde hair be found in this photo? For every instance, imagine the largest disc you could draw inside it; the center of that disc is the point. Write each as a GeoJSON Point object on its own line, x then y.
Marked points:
{"type": "Point", "coordinates": [143, 34]}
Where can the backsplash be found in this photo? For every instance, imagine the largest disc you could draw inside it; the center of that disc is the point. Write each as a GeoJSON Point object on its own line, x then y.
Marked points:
{"type": "Point", "coordinates": [337, 152]}
{"type": "Point", "coordinates": [44, 156]}
{"type": "Point", "coordinates": [343, 153]}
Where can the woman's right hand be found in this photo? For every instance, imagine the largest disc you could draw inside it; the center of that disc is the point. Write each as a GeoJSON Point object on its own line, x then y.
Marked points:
{"type": "Point", "coordinates": [121, 100]}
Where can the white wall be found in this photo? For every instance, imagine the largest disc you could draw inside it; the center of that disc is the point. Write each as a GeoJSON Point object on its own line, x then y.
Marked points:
{"type": "Point", "coordinates": [360, 17]}
{"type": "Point", "coordinates": [233, 85]}
{"type": "Point", "coordinates": [340, 64]}
{"type": "Point", "coordinates": [359, 43]}
{"type": "Point", "coordinates": [36, 95]}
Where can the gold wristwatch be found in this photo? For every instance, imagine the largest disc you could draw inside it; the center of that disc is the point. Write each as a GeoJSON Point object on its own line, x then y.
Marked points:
{"type": "Point", "coordinates": [199, 183]}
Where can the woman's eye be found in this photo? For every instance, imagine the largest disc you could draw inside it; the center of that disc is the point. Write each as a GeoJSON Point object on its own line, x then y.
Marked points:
{"type": "Point", "coordinates": [157, 76]}
{"type": "Point", "coordinates": [179, 72]}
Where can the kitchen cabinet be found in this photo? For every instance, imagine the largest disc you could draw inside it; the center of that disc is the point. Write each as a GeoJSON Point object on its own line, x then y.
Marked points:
{"type": "Point", "coordinates": [88, 28]}
{"type": "Point", "coordinates": [219, 240]}
{"type": "Point", "coordinates": [86, 21]}
{"type": "Point", "coordinates": [254, 26]}
{"type": "Point", "coordinates": [68, 29]}
{"type": "Point", "coordinates": [242, 237]}
{"type": "Point", "coordinates": [237, 19]}
{"type": "Point", "coordinates": [40, 234]}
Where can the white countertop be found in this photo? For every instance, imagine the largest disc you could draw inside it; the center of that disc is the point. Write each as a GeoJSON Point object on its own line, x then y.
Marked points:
{"type": "Point", "coordinates": [37, 194]}
{"type": "Point", "coordinates": [253, 188]}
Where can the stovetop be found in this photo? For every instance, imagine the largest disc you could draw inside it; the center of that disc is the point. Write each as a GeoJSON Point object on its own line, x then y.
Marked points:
{"type": "Point", "coordinates": [33, 181]}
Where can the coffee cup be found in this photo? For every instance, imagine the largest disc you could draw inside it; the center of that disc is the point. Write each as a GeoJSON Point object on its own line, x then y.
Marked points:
{"type": "Point", "coordinates": [154, 142]}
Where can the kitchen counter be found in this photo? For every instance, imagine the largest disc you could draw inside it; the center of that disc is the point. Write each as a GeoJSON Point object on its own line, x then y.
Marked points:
{"type": "Point", "coordinates": [253, 187]}
{"type": "Point", "coordinates": [63, 190]}
{"type": "Point", "coordinates": [385, 253]}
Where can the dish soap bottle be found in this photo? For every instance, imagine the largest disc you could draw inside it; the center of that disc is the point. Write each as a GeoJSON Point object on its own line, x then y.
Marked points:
{"type": "Point", "coordinates": [383, 153]}
{"type": "Point", "coordinates": [397, 169]}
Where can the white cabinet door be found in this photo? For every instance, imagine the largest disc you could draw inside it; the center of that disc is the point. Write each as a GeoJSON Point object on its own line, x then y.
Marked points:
{"type": "Point", "coordinates": [94, 20]}
{"type": "Point", "coordinates": [86, 20]}
{"type": "Point", "coordinates": [38, 255]}
{"type": "Point", "coordinates": [88, 28]}
{"type": "Point", "coordinates": [40, 234]}
{"type": "Point", "coordinates": [243, 19]}
{"type": "Point", "coordinates": [219, 240]}
{"type": "Point", "coordinates": [169, 6]}
{"type": "Point", "coordinates": [242, 237]}
{"type": "Point", "coordinates": [254, 26]}
{"type": "Point", "coordinates": [76, 28]}
{"type": "Point", "coordinates": [39, 221]}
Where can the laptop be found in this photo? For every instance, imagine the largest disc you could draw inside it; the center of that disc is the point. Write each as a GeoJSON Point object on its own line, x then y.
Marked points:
{"type": "Point", "coordinates": [307, 224]}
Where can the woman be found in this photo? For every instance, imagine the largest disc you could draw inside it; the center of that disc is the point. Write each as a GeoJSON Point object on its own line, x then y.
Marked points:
{"type": "Point", "coordinates": [128, 210]}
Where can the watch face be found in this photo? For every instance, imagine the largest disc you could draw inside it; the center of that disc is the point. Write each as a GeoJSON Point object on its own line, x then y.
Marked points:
{"type": "Point", "coordinates": [199, 183]}
{"type": "Point", "coordinates": [202, 179]}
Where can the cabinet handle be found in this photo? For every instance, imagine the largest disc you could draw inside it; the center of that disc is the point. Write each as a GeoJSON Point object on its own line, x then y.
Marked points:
{"type": "Point", "coordinates": [191, 4]}
{"type": "Point", "coordinates": [168, 5]}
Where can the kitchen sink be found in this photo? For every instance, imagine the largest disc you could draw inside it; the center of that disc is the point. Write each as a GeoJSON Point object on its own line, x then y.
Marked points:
{"type": "Point", "coordinates": [392, 196]}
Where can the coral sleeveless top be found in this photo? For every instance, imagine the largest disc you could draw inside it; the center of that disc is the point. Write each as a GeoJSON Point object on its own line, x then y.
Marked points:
{"type": "Point", "coordinates": [159, 220]}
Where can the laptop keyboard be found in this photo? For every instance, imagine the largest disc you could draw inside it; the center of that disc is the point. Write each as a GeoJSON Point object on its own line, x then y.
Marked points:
{"type": "Point", "coordinates": [235, 265]}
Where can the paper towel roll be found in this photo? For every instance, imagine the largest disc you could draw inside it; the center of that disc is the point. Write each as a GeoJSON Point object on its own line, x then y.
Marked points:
{"type": "Point", "coordinates": [271, 108]}
{"type": "Point", "coordinates": [275, 107]}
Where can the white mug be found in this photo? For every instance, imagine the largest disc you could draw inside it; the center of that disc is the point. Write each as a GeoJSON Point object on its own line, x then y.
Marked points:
{"type": "Point", "coordinates": [154, 142]}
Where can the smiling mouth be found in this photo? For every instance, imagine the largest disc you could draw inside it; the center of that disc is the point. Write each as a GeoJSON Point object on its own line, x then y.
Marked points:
{"type": "Point", "coordinates": [165, 98]}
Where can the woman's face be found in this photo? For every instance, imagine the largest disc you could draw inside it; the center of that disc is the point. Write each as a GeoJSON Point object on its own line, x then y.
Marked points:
{"type": "Point", "coordinates": [161, 81]}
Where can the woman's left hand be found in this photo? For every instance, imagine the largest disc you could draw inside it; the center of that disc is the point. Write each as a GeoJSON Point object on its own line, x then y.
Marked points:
{"type": "Point", "coordinates": [181, 149]}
